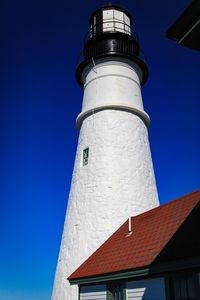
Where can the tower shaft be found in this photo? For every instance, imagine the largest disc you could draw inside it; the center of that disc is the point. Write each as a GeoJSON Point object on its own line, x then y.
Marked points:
{"type": "Point", "coordinates": [113, 175]}
{"type": "Point", "coordinates": [118, 179]}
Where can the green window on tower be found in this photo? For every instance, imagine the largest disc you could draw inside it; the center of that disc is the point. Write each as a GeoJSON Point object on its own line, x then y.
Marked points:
{"type": "Point", "coordinates": [85, 156]}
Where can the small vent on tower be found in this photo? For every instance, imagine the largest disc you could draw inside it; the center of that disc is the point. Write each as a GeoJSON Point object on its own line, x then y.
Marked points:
{"type": "Point", "coordinates": [85, 156]}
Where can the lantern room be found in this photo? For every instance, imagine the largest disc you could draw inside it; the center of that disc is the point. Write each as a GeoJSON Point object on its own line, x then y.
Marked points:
{"type": "Point", "coordinates": [111, 37]}
{"type": "Point", "coordinates": [110, 19]}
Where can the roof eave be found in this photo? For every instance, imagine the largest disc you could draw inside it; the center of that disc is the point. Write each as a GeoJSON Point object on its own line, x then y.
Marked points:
{"type": "Point", "coordinates": [154, 269]}
{"type": "Point", "coordinates": [185, 30]}
{"type": "Point", "coordinates": [110, 276]}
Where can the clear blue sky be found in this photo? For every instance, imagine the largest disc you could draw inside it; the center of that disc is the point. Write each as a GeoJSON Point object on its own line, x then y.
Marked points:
{"type": "Point", "coordinates": [40, 44]}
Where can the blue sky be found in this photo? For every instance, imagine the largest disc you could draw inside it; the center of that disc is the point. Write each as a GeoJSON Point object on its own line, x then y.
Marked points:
{"type": "Point", "coordinates": [40, 99]}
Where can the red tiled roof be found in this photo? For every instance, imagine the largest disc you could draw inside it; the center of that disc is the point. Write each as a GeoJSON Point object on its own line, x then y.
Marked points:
{"type": "Point", "coordinates": [152, 230]}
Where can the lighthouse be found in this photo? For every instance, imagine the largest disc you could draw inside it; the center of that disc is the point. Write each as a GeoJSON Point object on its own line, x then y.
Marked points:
{"type": "Point", "coordinates": [113, 176]}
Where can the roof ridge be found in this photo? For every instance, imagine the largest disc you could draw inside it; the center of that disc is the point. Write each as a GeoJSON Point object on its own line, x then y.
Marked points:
{"type": "Point", "coordinates": [167, 203]}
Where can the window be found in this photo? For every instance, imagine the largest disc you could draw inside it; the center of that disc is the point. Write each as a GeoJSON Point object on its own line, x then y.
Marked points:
{"type": "Point", "coordinates": [85, 156]}
{"type": "Point", "coordinates": [116, 292]}
{"type": "Point", "coordinates": [184, 287]}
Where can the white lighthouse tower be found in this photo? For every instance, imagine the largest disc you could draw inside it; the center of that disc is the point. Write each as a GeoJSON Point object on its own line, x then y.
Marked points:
{"type": "Point", "coordinates": [113, 175]}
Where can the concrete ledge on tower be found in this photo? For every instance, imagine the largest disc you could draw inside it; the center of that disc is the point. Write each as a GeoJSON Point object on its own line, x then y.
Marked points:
{"type": "Point", "coordinates": [141, 114]}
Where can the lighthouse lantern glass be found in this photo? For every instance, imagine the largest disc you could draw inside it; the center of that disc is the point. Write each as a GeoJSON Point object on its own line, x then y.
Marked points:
{"type": "Point", "coordinates": [110, 20]}
{"type": "Point", "coordinates": [115, 20]}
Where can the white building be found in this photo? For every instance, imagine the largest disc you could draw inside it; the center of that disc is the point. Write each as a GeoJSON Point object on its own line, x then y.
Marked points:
{"type": "Point", "coordinates": [113, 175]}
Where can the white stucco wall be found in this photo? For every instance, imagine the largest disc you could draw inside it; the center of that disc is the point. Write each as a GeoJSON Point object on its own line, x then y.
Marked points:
{"type": "Point", "coordinates": [114, 84]}
{"type": "Point", "coordinates": [118, 181]}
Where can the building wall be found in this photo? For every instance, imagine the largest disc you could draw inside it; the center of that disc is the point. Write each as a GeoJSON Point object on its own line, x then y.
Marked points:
{"type": "Point", "coordinates": [149, 289]}
{"type": "Point", "coordinates": [97, 292]}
